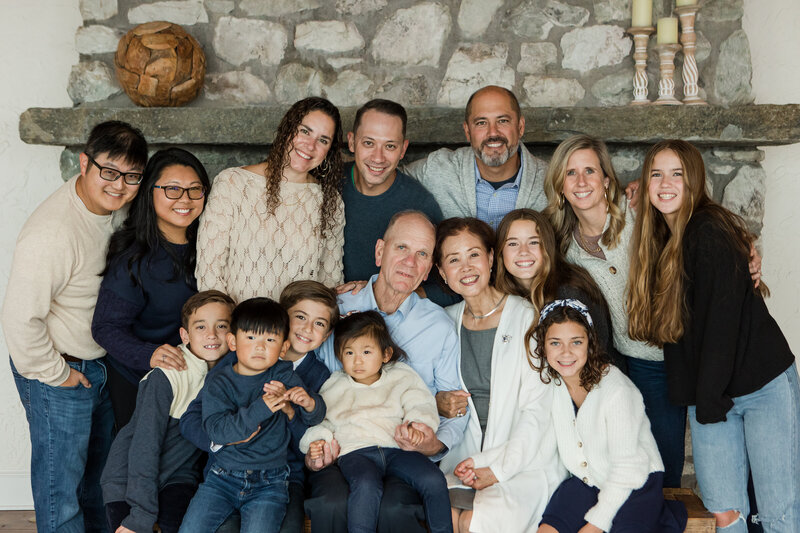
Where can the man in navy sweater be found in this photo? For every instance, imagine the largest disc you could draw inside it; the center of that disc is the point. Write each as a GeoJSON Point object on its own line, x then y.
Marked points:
{"type": "Point", "coordinates": [250, 474]}
{"type": "Point", "coordinates": [373, 190]}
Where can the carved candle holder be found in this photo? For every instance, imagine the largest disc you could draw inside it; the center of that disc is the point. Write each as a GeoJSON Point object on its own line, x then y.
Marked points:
{"type": "Point", "coordinates": [691, 91]}
{"type": "Point", "coordinates": [641, 36]}
{"type": "Point", "coordinates": [666, 86]}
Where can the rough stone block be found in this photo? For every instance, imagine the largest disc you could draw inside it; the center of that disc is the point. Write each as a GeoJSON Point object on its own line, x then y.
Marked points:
{"type": "Point", "coordinates": [238, 87]}
{"type": "Point", "coordinates": [351, 88]}
{"type": "Point", "coordinates": [608, 10]}
{"type": "Point", "coordinates": [413, 36]}
{"type": "Point", "coordinates": [266, 40]}
{"type": "Point", "coordinates": [184, 12]}
{"type": "Point", "coordinates": [91, 81]}
{"type": "Point", "coordinates": [359, 7]}
{"type": "Point", "coordinates": [98, 9]}
{"type": "Point", "coordinates": [277, 8]}
{"type": "Point", "coordinates": [615, 89]}
{"type": "Point", "coordinates": [723, 10]}
{"type": "Point", "coordinates": [97, 39]}
{"type": "Point", "coordinates": [552, 92]}
{"type": "Point", "coordinates": [534, 57]}
{"type": "Point", "coordinates": [472, 67]}
{"type": "Point", "coordinates": [296, 81]}
{"type": "Point", "coordinates": [733, 74]}
{"type": "Point", "coordinates": [474, 16]}
{"type": "Point", "coordinates": [589, 48]}
{"type": "Point", "coordinates": [220, 6]}
{"type": "Point", "coordinates": [338, 63]}
{"type": "Point", "coordinates": [744, 195]}
{"type": "Point", "coordinates": [328, 36]}
{"type": "Point", "coordinates": [410, 91]}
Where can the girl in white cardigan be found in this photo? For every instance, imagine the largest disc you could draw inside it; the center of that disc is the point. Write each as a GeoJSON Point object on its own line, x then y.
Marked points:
{"type": "Point", "coordinates": [367, 401]}
{"type": "Point", "coordinates": [603, 435]}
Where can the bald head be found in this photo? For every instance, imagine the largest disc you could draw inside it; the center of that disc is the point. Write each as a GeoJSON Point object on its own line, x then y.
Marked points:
{"type": "Point", "coordinates": [493, 90]}
{"type": "Point", "coordinates": [402, 217]}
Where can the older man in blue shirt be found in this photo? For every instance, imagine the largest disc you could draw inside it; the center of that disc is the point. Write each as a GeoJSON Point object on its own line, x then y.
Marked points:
{"type": "Point", "coordinates": [425, 332]}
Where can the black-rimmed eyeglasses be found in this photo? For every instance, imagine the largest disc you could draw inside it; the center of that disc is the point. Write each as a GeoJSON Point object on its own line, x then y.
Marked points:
{"type": "Point", "coordinates": [173, 192]}
{"type": "Point", "coordinates": [112, 174]}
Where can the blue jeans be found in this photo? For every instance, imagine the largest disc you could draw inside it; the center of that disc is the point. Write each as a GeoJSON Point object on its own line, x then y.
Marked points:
{"type": "Point", "coordinates": [667, 421]}
{"type": "Point", "coordinates": [259, 495]}
{"type": "Point", "coordinates": [364, 471]}
{"type": "Point", "coordinates": [762, 432]}
{"type": "Point", "coordinates": [71, 432]}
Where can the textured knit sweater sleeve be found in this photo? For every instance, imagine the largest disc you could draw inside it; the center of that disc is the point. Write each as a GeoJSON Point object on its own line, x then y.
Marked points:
{"type": "Point", "coordinates": [332, 266]}
{"type": "Point", "coordinates": [418, 403]}
{"type": "Point", "coordinates": [628, 468]}
{"type": "Point", "coordinates": [223, 420]}
{"type": "Point", "coordinates": [154, 398]}
{"type": "Point", "coordinates": [214, 235]}
{"type": "Point", "coordinates": [118, 304]}
{"type": "Point", "coordinates": [717, 296]}
{"type": "Point", "coordinates": [191, 423]}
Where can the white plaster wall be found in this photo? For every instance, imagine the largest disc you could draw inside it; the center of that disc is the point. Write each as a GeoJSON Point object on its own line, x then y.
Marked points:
{"type": "Point", "coordinates": [37, 47]}
{"type": "Point", "coordinates": [771, 28]}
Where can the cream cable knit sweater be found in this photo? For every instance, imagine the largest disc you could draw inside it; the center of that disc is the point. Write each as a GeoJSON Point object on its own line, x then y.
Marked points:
{"type": "Point", "coordinates": [359, 415]}
{"type": "Point", "coordinates": [245, 252]}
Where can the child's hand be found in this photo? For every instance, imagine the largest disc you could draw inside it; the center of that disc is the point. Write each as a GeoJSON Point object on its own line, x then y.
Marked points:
{"type": "Point", "coordinates": [315, 450]}
{"type": "Point", "coordinates": [275, 388]}
{"type": "Point", "coordinates": [274, 403]}
{"type": "Point", "coordinates": [415, 436]}
{"type": "Point", "coordinates": [123, 529]}
{"type": "Point", "coordinates": [299, 396]}
{"type": "Point", "coordinates": [288, 410]}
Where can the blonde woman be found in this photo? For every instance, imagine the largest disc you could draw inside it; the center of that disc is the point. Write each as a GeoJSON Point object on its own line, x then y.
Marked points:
{"type": "Point", "coordinates": [594, 227]}
{"type": "Point", "coordinates": [690, 292]}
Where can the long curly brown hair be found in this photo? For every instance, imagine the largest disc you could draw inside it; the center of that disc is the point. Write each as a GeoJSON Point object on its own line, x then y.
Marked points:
{"type": "Point", "coordinates": [328, 174]}
{"type": "Point", "coordinates": [597, 361]}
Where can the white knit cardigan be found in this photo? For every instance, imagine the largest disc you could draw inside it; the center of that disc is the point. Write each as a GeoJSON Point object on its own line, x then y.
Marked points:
{"type": "Point", "coordinates": [608, 444]}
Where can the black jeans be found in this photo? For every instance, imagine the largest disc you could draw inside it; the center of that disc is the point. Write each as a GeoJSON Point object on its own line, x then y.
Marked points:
{"type": "Point", "coordinates": [401, 507]}
{"type": "Point", "coordinates": [173, 501]}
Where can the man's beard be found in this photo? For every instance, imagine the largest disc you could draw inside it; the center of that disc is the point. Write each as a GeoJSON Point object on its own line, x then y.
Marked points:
{"type": "Point", "coordinates": [495, 160]}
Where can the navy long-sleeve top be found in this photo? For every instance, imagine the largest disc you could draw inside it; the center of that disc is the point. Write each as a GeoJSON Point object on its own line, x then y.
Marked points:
{"type": "Point", "coordinates": [310, 370]}
{"type": "Point", "coordinates": [132, 319]}
{"type": "Point", "coordinates": [233, 409]}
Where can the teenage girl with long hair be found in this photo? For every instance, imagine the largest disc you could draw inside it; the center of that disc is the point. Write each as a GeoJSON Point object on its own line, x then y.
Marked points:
{"type": "Point", "coordinates": [690, 291]}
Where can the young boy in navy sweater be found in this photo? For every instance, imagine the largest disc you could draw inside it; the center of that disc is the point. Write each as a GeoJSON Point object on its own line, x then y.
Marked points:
{"type": "Point", "coordinates": [313, 312]}
{"type": "Point", "coordinates": [152, 471]}
{"type": "Point", "coordinates": [250, 473]}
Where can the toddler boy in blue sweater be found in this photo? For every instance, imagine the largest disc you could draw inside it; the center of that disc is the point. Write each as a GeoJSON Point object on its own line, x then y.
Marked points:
{"type": "Point", "coordinates": [250, 475]}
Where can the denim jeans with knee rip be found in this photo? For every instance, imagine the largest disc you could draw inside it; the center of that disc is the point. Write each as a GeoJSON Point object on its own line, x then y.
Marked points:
{"type": "Point", "coordinates": [762, 434]}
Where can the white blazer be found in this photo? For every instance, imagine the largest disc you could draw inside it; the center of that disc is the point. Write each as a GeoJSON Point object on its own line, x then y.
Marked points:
{"type": "Point", "coordinates": [520, 445]}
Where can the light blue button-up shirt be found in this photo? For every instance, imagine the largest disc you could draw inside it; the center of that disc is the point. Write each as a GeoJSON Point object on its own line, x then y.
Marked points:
{"type": "Point", "coordinates": [493, 204]}
{"type": "Point", "coordinates": [427, 335]}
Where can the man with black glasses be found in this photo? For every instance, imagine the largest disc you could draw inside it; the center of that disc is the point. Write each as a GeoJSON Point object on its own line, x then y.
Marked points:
{"type": "Point", "coordinates": [58, 369]}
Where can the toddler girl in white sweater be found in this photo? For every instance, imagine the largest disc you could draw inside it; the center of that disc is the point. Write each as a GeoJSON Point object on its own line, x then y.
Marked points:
{"type": "Point", "coordinates": [366, 402]}
{"type": "Point", "coordinates": [603, 435]}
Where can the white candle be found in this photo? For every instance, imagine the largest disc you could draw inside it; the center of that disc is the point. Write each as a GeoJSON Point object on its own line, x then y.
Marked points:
{"type": "Point", "coordinates": [642, 13]}
{"type": "Point", "coordinates": [679, 3]}
{"type": "Point", "coordinates": [667, 31]}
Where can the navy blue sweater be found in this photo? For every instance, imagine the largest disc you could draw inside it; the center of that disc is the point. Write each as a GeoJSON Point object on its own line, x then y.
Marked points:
{"type": "Point", "coordinates": [313, 373]}
{"type": "Point", "coordinates": [233, 409]}
{"type": "Point", "coordinates": [132, 320]}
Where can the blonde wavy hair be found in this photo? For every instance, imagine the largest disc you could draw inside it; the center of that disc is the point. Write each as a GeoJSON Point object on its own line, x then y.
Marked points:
{"type": "Point", "coordinates": [560, 212]}
{"type": "Point", "coordinates": [656, 303]}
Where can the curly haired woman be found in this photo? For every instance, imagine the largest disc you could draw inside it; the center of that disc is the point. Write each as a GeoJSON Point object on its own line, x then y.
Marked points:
{"type": "Point", "coordinates": [280, 220]}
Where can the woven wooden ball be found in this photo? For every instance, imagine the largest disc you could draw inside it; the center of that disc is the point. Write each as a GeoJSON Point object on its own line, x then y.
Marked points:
{"type": "Point", "coordinates": [160, 65]}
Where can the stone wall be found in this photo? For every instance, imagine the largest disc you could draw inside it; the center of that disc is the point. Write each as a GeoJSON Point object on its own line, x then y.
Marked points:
{"type": "Point", "coordinates": [421, 53]}
{"type": "Point", "coordinates": [551, 53]}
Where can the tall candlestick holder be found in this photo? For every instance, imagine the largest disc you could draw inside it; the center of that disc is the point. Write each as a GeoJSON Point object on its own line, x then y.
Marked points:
{"type": "Point", "coordinates": [691, 91]}
{"type": "Point", "coordinates": [641, 36]}
{"type": "Point", "coordinates": [666, 86]}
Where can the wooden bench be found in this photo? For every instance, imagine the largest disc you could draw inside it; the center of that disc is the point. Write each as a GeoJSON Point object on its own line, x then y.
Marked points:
{"type": "Point", "coordinates": [700, 520]}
